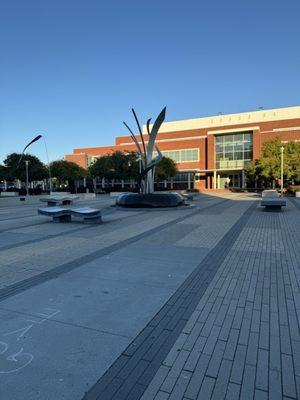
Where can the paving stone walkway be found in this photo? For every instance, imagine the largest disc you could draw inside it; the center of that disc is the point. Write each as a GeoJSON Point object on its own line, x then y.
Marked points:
{"type": "Point", "coordinates": [133, 371]}
{"type": "Point", "coordinates": [242, 341]}
{"type": "Point", "coordinates": [199, 303]}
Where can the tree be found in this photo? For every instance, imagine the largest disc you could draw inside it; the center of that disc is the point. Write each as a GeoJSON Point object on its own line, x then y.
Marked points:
{"type": "Point", "coordinates": [37, 170]}
{"type": "Point", "coordinates": [125, 165]}
{"type": "Point", "coordinates": [270, 161]}
{"type": "Point", "coordinates": [292, 159]}
{"type": "Point", "coordinates": [117, 165]}
{"type": "Point", "coordinates": [268, 166]}
{"type": "Point", "coordinates": [67, 171]}
{"type": "Point", "coordinates": [165, 169]}
{"type": "Point", "coordinates": [3, 173]}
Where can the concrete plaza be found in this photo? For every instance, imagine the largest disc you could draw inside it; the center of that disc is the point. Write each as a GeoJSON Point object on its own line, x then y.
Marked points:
{"type": "Point", "coordinates": [193, 303]}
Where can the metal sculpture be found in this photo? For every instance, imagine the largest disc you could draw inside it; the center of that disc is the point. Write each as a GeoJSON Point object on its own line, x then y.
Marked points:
{"type": "Point", "coordinates": [148, 162]}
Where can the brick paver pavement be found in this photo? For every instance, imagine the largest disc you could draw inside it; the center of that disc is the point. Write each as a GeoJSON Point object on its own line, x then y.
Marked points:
{"type": "Point", "coordinates": [242, 341]}
{"type": "Point", "coordinates": [226, 278]}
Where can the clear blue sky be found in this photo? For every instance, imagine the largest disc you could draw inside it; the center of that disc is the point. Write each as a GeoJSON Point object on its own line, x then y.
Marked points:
{"type": "Point", "coordinates": [71, 69]}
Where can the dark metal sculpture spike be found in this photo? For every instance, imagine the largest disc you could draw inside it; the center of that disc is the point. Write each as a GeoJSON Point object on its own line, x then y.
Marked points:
{"type": "Point", "coordinates": [155, 128]}
{"type": "Point", "coordinates": [148, 126]}
{"type": "Point", "coordinates": [140, 129]}
{"type": "Point", "coordinates": [134, 139]}
{"type": "Point", "coordinates": [148, 163]}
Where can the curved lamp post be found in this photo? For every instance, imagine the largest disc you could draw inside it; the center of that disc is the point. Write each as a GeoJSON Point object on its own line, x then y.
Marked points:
{"type": "Point", "coordinates": [50, 178]}
{"type": "Point", "coordinates": [27, 162]}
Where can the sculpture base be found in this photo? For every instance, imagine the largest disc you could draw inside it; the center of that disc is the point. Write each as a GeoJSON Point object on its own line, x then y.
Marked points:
{"type": "Point", "coordinates": [152, 200]}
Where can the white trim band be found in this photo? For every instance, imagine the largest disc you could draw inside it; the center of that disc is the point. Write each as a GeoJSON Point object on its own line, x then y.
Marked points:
{"type": "Point", "coordinates": [245, 129]}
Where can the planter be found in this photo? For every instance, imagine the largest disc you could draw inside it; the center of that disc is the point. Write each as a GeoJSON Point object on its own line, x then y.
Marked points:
{"type": "Point", "coordinates": [151, 200]}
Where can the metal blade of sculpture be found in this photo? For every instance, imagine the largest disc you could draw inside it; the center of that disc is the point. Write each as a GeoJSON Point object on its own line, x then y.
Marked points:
{"type": "Point", "coordinates": [148, 162]}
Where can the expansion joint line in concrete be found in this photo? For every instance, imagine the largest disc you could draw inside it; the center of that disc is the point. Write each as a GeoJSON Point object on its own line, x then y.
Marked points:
{"type": "Point", "coordinates": [38, 279]}
{"type": "Point", "coordinates": [295, 202]}
{"type": "Point", "coordinates": [44, 238]}
{"type": "Point", "coordinates": [132, 372]}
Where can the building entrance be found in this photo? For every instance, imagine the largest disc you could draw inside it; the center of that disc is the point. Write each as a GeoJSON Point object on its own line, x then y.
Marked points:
{"type": "Point", "coordinates": [231, 181]}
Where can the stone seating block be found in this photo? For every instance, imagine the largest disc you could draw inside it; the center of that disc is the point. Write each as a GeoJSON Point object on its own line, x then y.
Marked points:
{"type": "Point", "coordinates": [273, 202]}
{"type": "Point", "coordinates": [60, 214]}
{"type": "Point", "coordinates": [269, 194]}
{"type": "Point", "coordinates": [55, 200]}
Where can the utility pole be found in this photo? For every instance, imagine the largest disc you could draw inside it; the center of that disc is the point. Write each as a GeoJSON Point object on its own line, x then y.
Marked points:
{"type": "Point", "coordinates": [281, 178]}
{"type": "Point", "coordinates": [27, 180]}
{"type": "Point", "coordinates": [49, 169]}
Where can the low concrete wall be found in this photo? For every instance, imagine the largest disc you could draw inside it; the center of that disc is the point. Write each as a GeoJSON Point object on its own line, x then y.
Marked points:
{"type": "Point", "coordinates": [9, 194]}
{"type": "Point", "coordinates": [16, 200]}
{"type": "Point", "coordinates": [87, 196]}
{"type": "Point", "coordinates": [59, 193]}
{"type": "Point", "coordinates": [116, 194]}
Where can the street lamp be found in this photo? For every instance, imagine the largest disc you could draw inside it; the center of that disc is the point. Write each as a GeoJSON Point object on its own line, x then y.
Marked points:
{"type": "Point", "coordinates": [281, 152]}
{"type": "Point", "coordinates": [26, 162]}
{"type": "Point", "coordinates": [49, 169]}
{"type": "Point", "coordinates": [27, 180]}
{"type": "Point", "coordinates": [30, 143]}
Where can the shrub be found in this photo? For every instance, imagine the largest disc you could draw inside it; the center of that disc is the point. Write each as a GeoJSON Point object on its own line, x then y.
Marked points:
{"type": "Point", "coordinates": [293, 188]}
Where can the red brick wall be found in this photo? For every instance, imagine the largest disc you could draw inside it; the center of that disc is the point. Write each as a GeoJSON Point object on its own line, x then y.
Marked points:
{"type": "Point", "coordinates": [264, 133]}
{"type": "Point", "coordinates": [80, 159]}
{"type": "Point", "coordinates": [210, 152]}
{"type": "Point", "coordinates": [162, 136]}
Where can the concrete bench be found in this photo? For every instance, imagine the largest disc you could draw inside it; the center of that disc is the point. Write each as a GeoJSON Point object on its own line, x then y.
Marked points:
{"type": "Point", "coordinates": [60, 214]}
{"type": "Point", "coordinates": [188, 196]}
{"type": "Point", "coordinates": [271, 199]}
{"type": "Point", "coordinates": [53, 201]}
{"type": "Point", "coordinates": [270, 193]}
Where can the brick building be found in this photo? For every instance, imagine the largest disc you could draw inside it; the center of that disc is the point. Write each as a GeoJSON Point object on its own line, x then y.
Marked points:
{"type": "Point", "coordinates": [211, 152]}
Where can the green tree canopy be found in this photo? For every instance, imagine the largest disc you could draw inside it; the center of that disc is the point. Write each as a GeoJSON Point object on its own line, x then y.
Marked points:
{"type": "Point", "coordinates": [3, 173]}
{"type": "Point", "coordinates": [165, 169]}
{"type": "Point", "coordinates": [268, 166]}
{"type": "Point", "coordinates": [292, 159]}
{"type": "Point", "coordinates": [117, 165]}
{"type": "Point", "coordinates": [125, 165]}
{"type": "Point", "coordinates": [36, 169]}
{"type": "Point", "coordinates": [67, 171]}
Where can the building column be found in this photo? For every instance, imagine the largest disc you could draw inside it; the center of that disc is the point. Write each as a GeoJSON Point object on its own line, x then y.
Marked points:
{"type": "Point", "coordinates": [189, 180]}
{"type": "Point", "coordinates": [215, 179]}
{"type": "Point", "coordinates": [219, 181]}
{"type": "Point", "coordinates": [243, 179]}
{"type": "Point", "coordinates": [103, 183]}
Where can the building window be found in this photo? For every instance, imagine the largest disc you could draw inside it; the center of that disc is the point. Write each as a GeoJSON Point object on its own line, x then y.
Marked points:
{"type": "Point", "coordinates": [233, 151]}
{"type": "Point", "coordinates": [181, 156]}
